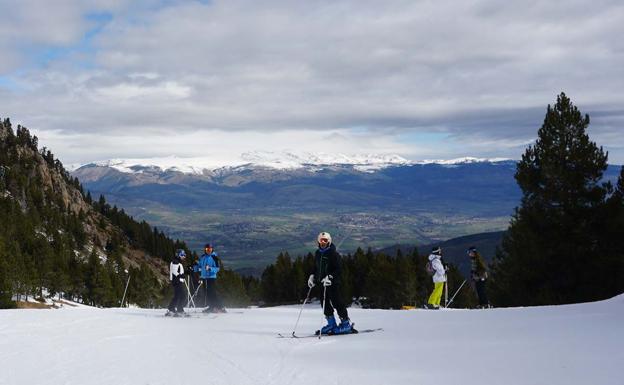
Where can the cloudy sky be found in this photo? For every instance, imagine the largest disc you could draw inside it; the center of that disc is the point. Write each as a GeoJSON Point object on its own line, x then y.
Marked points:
{"type": "Point", "coordinates": [423, 79]}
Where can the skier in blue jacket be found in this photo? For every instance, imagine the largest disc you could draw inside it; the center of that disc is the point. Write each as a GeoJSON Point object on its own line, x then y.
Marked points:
{"type": "Point", "coordinates": [209, 268]}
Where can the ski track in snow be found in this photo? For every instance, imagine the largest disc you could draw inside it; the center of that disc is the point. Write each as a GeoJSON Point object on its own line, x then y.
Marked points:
{"type": "Point", "coordinates": [573, 344]}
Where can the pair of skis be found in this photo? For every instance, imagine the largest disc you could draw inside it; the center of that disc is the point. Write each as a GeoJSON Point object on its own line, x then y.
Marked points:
{"type": "Point", "coordinates": [178, 315]}
{"type": "Point", "coordinates": [316, 334]}
{"type": "Point", "coordinates": [208, 315]}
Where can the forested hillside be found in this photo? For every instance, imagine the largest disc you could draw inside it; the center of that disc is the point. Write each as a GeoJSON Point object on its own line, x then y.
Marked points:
{"type": "Point", "coordinates": [56, 241]}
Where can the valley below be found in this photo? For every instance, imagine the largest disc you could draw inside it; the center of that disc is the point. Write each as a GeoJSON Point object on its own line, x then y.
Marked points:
{"type": "Point", "coordinates": [252, 212]}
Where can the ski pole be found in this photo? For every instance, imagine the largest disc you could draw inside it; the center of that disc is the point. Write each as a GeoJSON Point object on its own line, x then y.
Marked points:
{"type": "Point", "coordinates": [125, 291]}
{"type": "Point", "coordinates": [456, 292]}
{"type": "Point", "coordinates": [189, 294]}
{"type": "Point", "coordinates": [324, 299]}
{"type": "Point", "coordinates": [445, 292]}
{"type": "Point", "coordinates": [197, 289]}
{"type": "Point", "coordinates": [345, 238]}
{"type": "Point", "coordinates": [192, 296]}
{"type": "Point", "coordinates": [301, 310]}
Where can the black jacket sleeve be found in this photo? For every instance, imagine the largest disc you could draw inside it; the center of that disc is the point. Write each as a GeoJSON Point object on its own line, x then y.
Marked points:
{"type": "Point", "coordinates": [334, 268]}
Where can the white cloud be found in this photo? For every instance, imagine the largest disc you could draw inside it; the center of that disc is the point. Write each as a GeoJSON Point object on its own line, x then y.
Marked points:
{"type": "Point", "coordinates": [128, 143]}
{"type": "Point", "coordinates": [125, 91]}
{"type": "Point", "coordinates": [480, 72]}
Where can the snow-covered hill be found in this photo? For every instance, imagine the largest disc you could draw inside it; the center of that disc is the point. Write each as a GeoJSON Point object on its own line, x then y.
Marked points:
{"type": "Point", "coordinates": [575, 344]}
{"type": "Point", "coordinates": [267, 159]}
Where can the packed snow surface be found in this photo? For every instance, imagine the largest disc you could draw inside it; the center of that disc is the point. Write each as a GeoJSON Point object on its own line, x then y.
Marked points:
{"type": "Point", "coordinates": [274, 160]}
{"type": "Point", "coordinates": [573, 344]}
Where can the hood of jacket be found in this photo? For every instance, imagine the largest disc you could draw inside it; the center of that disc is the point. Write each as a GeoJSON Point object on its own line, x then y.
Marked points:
{"type": "Point", "coordinates": [434, 256]}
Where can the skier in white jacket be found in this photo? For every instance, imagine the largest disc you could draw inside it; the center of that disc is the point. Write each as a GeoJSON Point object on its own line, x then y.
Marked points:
{"type": "Point", "coordinates": [439, 278]}
{"type": "Point", "coordinates": [176, 276]}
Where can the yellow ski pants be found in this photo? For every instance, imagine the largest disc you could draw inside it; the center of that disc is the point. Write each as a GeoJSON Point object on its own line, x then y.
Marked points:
{"type": "Point", "coordinates": [436, 295]}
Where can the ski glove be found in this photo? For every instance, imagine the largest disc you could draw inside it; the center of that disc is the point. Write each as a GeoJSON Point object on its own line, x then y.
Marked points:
{"type": "Point", "coordinates": [327, 280]}
{"type": "Point", "coordinates": [311, 281]}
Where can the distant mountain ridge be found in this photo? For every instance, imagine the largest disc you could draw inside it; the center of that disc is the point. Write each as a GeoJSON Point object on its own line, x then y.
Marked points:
{"type": "Point", "coordinates": [270, 160]}
{"type": "Point", "coordinates": [405, 187]}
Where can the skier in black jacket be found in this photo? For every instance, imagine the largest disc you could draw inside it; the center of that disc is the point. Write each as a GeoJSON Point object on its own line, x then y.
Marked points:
{"type": "Point", "coordinates": [327, 271]}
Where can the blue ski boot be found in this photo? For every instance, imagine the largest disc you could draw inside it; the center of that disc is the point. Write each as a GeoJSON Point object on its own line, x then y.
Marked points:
{"type": "Point", "coordinates": [345, 327]}
{"type": "Point", "coordinates": [331, 325]}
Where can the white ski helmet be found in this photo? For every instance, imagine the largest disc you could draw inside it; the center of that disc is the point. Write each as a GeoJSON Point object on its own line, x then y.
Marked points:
{"type": "Point", "coordinates": [324, 235]}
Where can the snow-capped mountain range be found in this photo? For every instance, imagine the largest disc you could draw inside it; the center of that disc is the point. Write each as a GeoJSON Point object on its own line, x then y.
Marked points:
{"type": "Point", "coordinates": [272, 160]}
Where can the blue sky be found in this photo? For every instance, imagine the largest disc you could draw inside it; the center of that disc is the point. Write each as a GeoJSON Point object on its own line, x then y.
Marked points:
{"type": "Point", "coordinates": [425, 80]}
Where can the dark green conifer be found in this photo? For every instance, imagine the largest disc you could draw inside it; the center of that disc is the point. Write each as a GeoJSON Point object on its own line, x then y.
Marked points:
{"type": "Point", "coordinates": [552, 252]}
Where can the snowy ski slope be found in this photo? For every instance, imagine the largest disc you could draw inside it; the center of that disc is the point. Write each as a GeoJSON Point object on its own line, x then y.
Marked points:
{"type": "Point", "coordinates": [574, 344]}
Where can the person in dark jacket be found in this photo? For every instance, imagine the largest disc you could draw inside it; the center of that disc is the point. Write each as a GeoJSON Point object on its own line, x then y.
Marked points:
{"type": "Point", "coordinates": [327, 271]}
{"type": "Point", "coordinates": [176, 276]}
{"type": "Point", "coordinates": [479, 275]}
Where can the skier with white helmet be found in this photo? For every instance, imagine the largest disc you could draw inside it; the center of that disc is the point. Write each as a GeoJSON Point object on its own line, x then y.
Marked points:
{"type": "Point", "coordinates": [439, 278]}
{"type": "Point", "coordinates": [327, 271]}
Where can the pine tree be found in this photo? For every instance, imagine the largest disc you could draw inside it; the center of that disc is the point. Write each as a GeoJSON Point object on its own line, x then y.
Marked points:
{"type": "Point", "coordinates": [300, 279]}
{"type": "Point", "coordinates": [144, 289]}
{"type": "Point", "coordinates": [268, 285]}
{"type": "Point", "coordinates": [612, 225]}
{"type": "Point", "coordinates": [552, 252]}
{"type": "Point", "coordinates": [6, 291]}
{"type": "Point", "coordinates": [232, 289]}
{"type": "Point", "coordinates": [286, 291]}
{"type": "Point", "coordinates": [252, 288]}
{"type": "Point", "coordinates": [93, 272]}
{"type": "Point", "coordinates": [422, 278]}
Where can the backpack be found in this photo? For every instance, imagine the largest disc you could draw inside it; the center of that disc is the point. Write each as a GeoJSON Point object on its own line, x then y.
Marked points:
{"type": "Point", "coordinates": [429, 268]}
{"type": "Point", "coordinates": [217, 261]}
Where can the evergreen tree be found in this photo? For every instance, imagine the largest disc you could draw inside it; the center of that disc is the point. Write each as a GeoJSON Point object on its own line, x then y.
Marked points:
{"type": "Point", "coordinates": [144, 289]}
{"type": "Point", "coordinates": [552, 251]}
{"type": "Point", "coordinates": [93, 279]}
{"type": "Point", "coordinates": [300, 279]}
{"type": "Point", "coordinates": [612, 225]}
{"type": "Point", "coordinates": [284, 279]}
{"type": "Point", "coordinates": [252, 288]}
{"type": "Point", "coordinates": [6, 301]}
{"type": "Point", "coordinates": [361, 263]}
{"type": "Point", "coordinates": [268, 285]}
{"type": "Point", "coordinates": [382, 285]}
{"type": "Point", "coordinates": [231, 288]}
